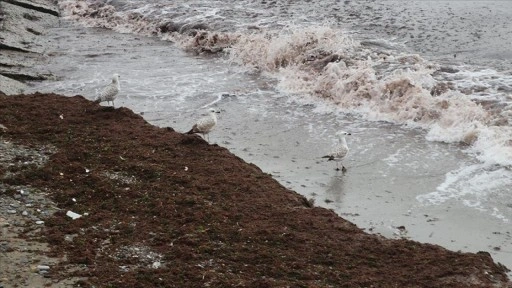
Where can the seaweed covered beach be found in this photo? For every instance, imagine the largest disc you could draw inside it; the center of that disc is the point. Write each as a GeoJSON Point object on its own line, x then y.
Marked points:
{"type": "Point", "coordinates": [162, 209]}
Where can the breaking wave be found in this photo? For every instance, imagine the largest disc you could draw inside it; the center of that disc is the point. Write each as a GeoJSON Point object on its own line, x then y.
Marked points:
{"type": "Point", "coordinates": [453, 104]}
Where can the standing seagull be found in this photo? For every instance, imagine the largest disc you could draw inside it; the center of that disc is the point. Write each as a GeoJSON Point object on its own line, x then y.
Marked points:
{"type": "Point", "coordinates": [109, 93]}
{"type": "Point", "coordinates": [340, 151]}
{"type": "Point", "coordinates": [205, 124]}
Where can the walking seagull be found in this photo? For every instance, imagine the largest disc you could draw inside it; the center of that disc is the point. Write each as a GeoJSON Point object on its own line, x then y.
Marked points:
{"type": "Point", "coordinates": [205, 125]}
{"type": "Point", "coordinates": [339, 151]}
{"type": "Point", "coordinates": [109, 93]}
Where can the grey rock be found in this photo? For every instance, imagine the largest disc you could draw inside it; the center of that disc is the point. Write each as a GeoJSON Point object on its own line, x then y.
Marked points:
{"type": "Point", "coordinates": [22, 43]}
{"type": "Point", "coordinates": [22, 28]}
{"type": "Point", "coordinates": [43, 6]}
{"type": "Point", "coordinates": [19, 73]}
{"type": "Point", "coordinates": [11, 87]}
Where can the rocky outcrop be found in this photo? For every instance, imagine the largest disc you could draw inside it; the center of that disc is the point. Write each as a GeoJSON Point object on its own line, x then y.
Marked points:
{"type": "Point", "coordinates": [9, 86]}
{"type": "Point", "coordinates": [23, 26]}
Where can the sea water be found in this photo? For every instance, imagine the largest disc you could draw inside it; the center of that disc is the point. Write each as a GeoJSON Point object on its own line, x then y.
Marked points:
{"type": "Point", "coordinates": [423, 86]}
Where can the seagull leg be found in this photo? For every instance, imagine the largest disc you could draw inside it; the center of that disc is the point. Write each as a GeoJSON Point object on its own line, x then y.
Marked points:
{"type": "Point", "coordinates": [343, 169]}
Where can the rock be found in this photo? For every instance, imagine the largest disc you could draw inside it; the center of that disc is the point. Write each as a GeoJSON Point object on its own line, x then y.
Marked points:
{"type": "Point", "coordinates": [40, 222]}
{"type": "Point", "coordinates": [43, 6]}
{"type": "Point", "coordinates": [4, 223]}
{"type": "Point", "coordinates": [22, 28]}
{"type": "Point", "coordinates": [19, 73]}
{"type": "Point", "coordinates": [22, 43]}
{"type": "Point", "coordinates": [9, 86]}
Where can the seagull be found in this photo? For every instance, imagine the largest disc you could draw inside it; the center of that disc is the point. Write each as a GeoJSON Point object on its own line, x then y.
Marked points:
{"type": "Point", "coordinates": [109, 93]}
{"type": "Point", "coordinates": [205, 124]}
{"type": "Point", "coordinates": [339, 151]}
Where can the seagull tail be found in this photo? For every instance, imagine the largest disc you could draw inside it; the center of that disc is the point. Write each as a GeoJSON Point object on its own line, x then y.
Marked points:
{"type": "Point", "coordinates": [193, 130]}
{"type": "Point", "coordinates": [329, 157]}
{"type": "Point", "coordinates": [97, 99]}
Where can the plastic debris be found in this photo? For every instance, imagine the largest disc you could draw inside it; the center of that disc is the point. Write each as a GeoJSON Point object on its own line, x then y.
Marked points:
{"type": "Point", "coordinates": [73, 215]}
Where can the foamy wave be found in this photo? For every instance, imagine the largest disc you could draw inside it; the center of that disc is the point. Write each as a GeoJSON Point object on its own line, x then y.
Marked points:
{"type": "Point", "coordinates": [306, 48]}
{"type": "Point", "coordinates": [203, 41]}
{"type": "Point", "coordinates": [100, 14]}
{"type": "Point", "coordinates": [191, 34]}
{"type": "Point", "coordinates": [474, 185]}
{"type": "Point", "coordinates": [325, 63]}
{"type": "Point", "coordinates": [494, 145]}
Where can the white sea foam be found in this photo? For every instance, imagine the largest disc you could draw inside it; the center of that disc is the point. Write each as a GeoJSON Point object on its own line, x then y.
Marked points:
{"type": "Point", "coordinates": [475, 186]}
{"type": "Point", "coordinates": [354, 82]}
{"type": "Point", "coordinates": [394, 159]}
{"type": "Point", "coordinates": [98, 14]}
{"type": "Point", "coordinates": [219, 98]}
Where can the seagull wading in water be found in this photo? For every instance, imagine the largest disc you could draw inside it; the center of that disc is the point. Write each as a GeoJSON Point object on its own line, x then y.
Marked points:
{"type": "Point", "coordinates": [110, 92]}
{"type": "Point", "coordinates": [339, 151]}
{"type": "Point", "coordinates": [205, 125]}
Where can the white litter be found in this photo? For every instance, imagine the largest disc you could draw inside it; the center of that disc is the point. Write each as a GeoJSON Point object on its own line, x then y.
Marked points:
{"type": "Point", "coordinates": [73, 215]}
